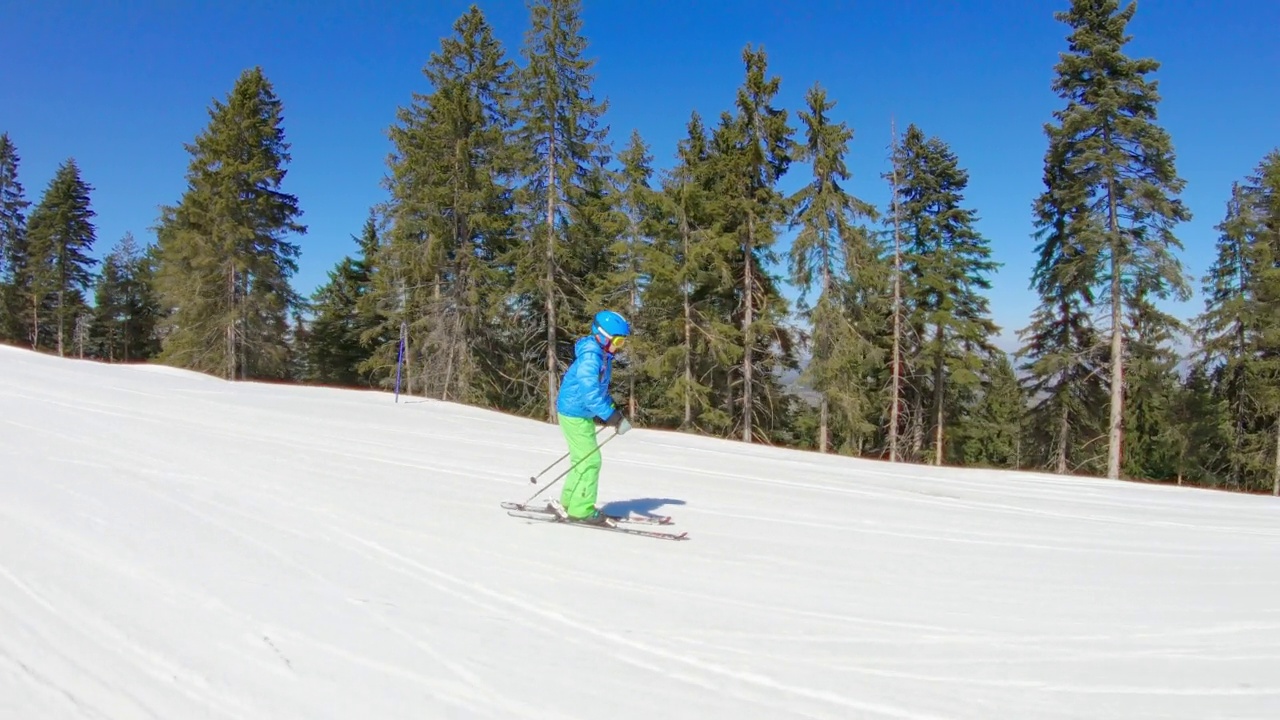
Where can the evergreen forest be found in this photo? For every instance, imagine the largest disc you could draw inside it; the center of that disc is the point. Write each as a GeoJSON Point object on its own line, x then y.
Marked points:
{"type": "Point", "coordinates": [513, 213]}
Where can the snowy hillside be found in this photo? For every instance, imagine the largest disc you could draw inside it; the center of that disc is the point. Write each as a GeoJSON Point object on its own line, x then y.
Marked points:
{"type": "Point", "coordinates": [173, 546]}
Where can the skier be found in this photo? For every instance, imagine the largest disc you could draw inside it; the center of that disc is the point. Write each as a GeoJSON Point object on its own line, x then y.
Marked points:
{"type": "Point", "coordinates": [584, 397]}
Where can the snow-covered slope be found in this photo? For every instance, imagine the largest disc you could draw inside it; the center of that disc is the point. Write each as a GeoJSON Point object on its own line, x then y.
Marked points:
{"type": "Point", "coordinates": [173, 546]}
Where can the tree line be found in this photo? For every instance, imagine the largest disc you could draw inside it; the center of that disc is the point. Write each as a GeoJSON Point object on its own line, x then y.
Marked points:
{"type": "Point", "coordinates": [511, 217]}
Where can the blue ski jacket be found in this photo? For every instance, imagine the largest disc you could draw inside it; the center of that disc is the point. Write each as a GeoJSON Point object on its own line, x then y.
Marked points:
{"type": "Point", "coordinates": [584, 391]}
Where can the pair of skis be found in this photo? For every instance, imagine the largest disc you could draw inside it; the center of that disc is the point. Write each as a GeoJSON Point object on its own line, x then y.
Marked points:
{"type": "Point", "coordinates": [621, 524]}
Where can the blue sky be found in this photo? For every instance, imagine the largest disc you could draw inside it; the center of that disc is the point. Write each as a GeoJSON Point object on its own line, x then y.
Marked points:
{"type": "Point", "coordinates": [121, 86]}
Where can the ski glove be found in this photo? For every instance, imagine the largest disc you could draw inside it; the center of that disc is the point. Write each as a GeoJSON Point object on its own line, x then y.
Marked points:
{"type": "Point", "coordinates": [619, 421]}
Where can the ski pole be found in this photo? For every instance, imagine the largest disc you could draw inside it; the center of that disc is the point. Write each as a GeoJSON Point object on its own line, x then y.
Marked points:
{"type": "Point", "coordinates": [566, 472]}
{"type": "Point", "coordinates": [534, 479]}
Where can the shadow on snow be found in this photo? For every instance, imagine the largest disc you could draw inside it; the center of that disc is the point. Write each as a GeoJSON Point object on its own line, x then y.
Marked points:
{"type": "Point", "coordinates": [637, 506]}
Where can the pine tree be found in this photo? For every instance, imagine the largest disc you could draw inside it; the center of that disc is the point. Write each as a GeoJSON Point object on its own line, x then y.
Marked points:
{"type": "Point", "coordinates": [451, 215]}
{"type": "Point", "coordinates": [752, 151]}
{"type": "Point", "coordinates": [1120, 163]}
{"type": "Point", "coordinates": [13, 243]}
{"type": "Point", "coordinates": [1202, 431]}
{"type": "Point", "coordinates": [335, 341]}
{"type": "Point", "coordinates": [896, 365]}
{"type": "Point", "coordinates": [945, 262]}
{"type": "Point", "coordinates": [298, 340]}
{"type": "Point", "coordinates": [60, 236]}
{"type": "Point", "coordinates": [595, 248]}
{"type": "Point", "coordinates": [562, 141]}
{"type": "Point", "coordinates": [1239, 331]}
{"type": "Point", "coordinates": [1263, 191]}
{"type": "Point", "coordinates": [1153, 386]}
{"type": "Point", "coordinates": [1228, 331]}
{"type": "Point", "coordinates": [225, 259]}
{"type": "Point", "coordinates": [637, 209]}
{"type": "Point", "coordinates": [992, 436]}
{"type": "Point", "coordinates": [126, 310]}
{"type": "Point", "coordinates": [834, 251]}
{"type": "Point", "coordinates": [1064, 352]}
{"type": "Point", "coordinates": [108, 309]}
{"type": "Point", "coordinates": [677, 311]}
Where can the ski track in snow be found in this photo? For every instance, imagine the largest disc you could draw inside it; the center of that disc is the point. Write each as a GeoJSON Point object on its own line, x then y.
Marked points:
{"type": "Point", "coordinates": [172, 546]}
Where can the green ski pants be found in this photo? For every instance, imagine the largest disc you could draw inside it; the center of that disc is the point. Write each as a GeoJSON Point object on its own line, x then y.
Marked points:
{"type": "Point", "coordinates": [579, 494]}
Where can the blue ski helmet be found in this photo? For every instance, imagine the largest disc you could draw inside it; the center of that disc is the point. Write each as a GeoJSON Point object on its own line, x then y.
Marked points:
{"type": "Point", "coordinates": [609, 328]}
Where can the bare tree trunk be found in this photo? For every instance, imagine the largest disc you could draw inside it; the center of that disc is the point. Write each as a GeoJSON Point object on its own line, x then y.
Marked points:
{"type": "Point", "coordinates": [822, 426]}
{"type": "Point", "coordinates": [916, 435]}
{"type": "Point", "coordinates": [1064, 428]}
{"type": "Point", "coordinates": [408, 361]}
{"type": "Point", "coordinates": [61, 321]}
{"type": "Point", "coordinates": [635, 304]}
{"type": "Point", "coordinates": [747, 319]}
{"type": "Point", "coordinates": [448, 366]}
{"type": "Point", "coordinates": [823, 414]}
{"type": "Point", "coordinates": [231, 326]}
{"type": "Point", "coordinates": [244, 326]}
{"type": "Point", "coordinates": [1275, 480]}
{"type": "Point", "coordinates": [939, 397]}
{"type": "Point", "coordinates": [895, 393]}
{"type": "Point", "coordinates": [688, 332]}
{"type": "Point", "coordinates": [551, 277]}
{"type": "Point", "coordinates": [1117, 345]}
{"type": "Point", "coordinates": [35, 318]}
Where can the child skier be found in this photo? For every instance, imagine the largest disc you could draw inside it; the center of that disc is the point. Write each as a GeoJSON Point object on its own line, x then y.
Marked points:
{"type": "Point", "coordinates": [584, 397]}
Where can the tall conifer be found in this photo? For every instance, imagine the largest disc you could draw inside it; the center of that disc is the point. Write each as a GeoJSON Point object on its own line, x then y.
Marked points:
{"type": "Point", "coordinates": [946, 262]}
{"type": "Point", "coordinates": [562, 139]}
{"type": "Point", "coordinates": [336, 347]}
{"type": "Point", "coordinates": [681, 323]}
{"type": "Point", "coordinates": [225, 257]}
{"type": "Point", "coordinates": [836, 253]}
{"type": "Point", "coordinates": [1120, 162]}
{"type": "Point", "coordinates": [126, 311]}
{"type": "Point", "coordinates": [13, 244]}
{"type": "Point", "coordinates": [60, 236]}
{"type": "Point", "coordinates": [451, 213]}
{"type": "Point", "coordinates": [752, 151]}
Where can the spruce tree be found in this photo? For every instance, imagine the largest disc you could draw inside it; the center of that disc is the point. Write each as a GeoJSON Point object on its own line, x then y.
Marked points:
{"type": "Point", "coordinates": [1228, 330]}
{"type": "Point", "coordinates": [126, 310]}
{"type": "Point", "coordinates": [451, 215]}
{"type": "Point", "coordinates": [1153, 386]}
{"type": "Point", "coordinates": [225, 256]}
{"type": "Point", "coordinates": [679, 312]}
{"type": "Point", "coordinates": [835, 252]}
{"type": "Point", "coordinates": [562, 141]}
{"type": "Point", "coordinates": [108, 309]}
{"type": "Point", "coordinates": [1239, 331]}
{"type": "Point", "coordinates": [752, 151]}
{"type": "Point", "coordinates": [1263, 191]}
{"type": "Point", "coordinates": [636, 209]}
{"type": "Point", "coordinates": [60, 236]}
{"type": "Point", "coordinates": [1202, 431]}
{"type": "Point", "coordinates": [13, 243]}
{"type": "Point", "coordinates": [946, 262]}
{"type": "Point", "coordinates": [992, 435]}
{"type": "Point", "coordinates": [1064, 354]}
{"type": "Point", "coordinates": [895, 339]}
{"type": "Point", "coordinates": [1115, 158]}
{"type": "Point", "coordinates": [335, 341]}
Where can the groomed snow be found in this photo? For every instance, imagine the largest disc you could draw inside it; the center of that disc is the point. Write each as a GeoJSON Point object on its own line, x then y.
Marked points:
{"type": "Point", "coordinates": [174, 546]}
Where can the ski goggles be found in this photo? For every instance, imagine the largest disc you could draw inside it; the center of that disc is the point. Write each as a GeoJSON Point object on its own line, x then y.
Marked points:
{"type": "Point", "coordinates": [613, 343]}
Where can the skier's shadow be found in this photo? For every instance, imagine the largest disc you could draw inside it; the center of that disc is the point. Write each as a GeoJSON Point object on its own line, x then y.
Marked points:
{"type": "Point", "coordinates": [637, 506]}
